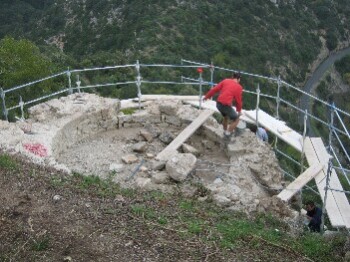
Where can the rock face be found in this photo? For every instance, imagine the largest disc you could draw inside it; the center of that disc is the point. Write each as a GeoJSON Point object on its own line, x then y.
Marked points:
{"type": "Point", "coordinates": [88, 134]}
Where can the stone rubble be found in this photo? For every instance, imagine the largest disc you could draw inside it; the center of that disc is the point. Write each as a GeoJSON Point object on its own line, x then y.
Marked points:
{"type": "Point", "coordinates": [91, 135]}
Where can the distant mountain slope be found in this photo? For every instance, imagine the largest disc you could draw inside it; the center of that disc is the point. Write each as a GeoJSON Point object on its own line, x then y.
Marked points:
{"type": "Point", "coordinates": [257, 35]}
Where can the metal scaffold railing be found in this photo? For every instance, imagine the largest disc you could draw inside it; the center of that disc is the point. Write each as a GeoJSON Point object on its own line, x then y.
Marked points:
{"type": "Point", "coordinates": [269, 90]}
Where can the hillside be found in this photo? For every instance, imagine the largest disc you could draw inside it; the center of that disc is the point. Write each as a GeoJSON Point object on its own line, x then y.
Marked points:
{"type": "Point", "coordinates": [50, 216]}
{"type": "Point", "coordinates": [256, 36]}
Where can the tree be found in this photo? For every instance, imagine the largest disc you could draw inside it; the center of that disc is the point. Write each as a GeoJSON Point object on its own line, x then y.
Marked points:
{"type": "Point", "coordinates": [347, 78]}
{"type": "Point", "coordinates": [20, 63]}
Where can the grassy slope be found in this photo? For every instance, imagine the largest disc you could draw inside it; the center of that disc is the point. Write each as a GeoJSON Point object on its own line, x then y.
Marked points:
{"type": "Point", "coordinates": [97, 219]}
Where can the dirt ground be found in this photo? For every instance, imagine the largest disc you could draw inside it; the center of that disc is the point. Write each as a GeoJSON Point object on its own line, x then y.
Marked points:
{"type": "Point", "coordinates": [50, 216]}
{"type": "Point", "coordinates": [93, 155]}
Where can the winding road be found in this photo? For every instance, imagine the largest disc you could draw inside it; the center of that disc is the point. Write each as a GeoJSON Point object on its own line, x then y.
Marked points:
{"type": "Point", "coordinates": [315, 79]}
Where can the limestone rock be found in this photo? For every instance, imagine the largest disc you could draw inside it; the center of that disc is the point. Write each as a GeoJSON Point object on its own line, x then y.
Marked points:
{"type": "Point", "coordinates": [187, 113]}
{"type": "Point", "coordinates": [275, 206]}
{"type": "Point", "coordinates": [173, 120]}
{"type": "Point", "coordinates": [152, 129]}
{"type": "Point", "coordinates": [146, 135]}
{"type": "Point", "coordinates": [222, 200]}
{"type": "Point", "coordinates": [170, 108]}
{"type": "Point", "coordinates": [157, 165]}
{"type": "Point", "coordinates": [150, 155]}
{"type": "Point", "coordinates": [166, 137]}
{"type": "Point", "coordinates": [190, 149]}
{"type": "Point", "coordinates": [129, 159]}
{"type": "Point", "coordinates": [142, 182]}
{"type": "Point", "coordinates": [143, 169]}
{"type": "Point", "coordinates": [233, 149]}
{"type": "Point", "coordinates": [180, 166]}
{"type": "Point", "coordinates": [57, 198]}
{"type": "Point", "coordinates": [140, 147]}
{"type": "Point", "coordinates": [160, 178]}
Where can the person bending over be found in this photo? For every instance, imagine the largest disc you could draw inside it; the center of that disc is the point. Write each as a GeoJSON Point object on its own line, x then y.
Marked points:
{"type": "Point", "coordinates": [314, 215]}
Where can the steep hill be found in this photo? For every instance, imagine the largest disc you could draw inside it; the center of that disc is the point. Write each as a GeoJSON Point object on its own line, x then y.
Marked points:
{"type": "Point", "coordinates": [257, 36]}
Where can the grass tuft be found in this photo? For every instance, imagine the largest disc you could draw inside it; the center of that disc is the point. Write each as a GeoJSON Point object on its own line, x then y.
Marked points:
{"type": "Point", "coordinates": [7, 162]}
{"type": "Point", "coordinates": [128, 111]}
{"type": "Point", "coordinates": [41, 244]}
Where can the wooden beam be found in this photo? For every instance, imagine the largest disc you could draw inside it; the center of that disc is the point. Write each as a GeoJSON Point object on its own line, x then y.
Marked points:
{"type": "Point", "coordinates": [277, 127]}
{"type": "Point", "coordinates": [299, 182]}
{"type": "Point", "coordinates": [340, 197]}
{"type": "Point", "coordinates": [211, 105]}
{"type": "Point", "coordinates": [312, 146]}
{"type": "Point", "coordinates": [184, 135]}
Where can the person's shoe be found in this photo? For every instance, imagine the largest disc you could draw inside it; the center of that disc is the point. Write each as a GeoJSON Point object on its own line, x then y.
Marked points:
{"type": "Point", "coordinates": [227, 134]}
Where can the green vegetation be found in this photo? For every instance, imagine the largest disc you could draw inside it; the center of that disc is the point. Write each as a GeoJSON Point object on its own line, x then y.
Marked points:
{"type": "Point", "coordinates": [41, 244]}
{"type": "Point", "coordinates": [7, 162]}
{"type": "Point", "coordinates": [143, 211]}
{"type": "Point", "coordinates": [102, 187]}
{"type": "Point", "coordinates": [21, 62]}
{"type": "Point", "coordinates": [255, 36]}
{"type": "Point", "coordinates": [128, 111]}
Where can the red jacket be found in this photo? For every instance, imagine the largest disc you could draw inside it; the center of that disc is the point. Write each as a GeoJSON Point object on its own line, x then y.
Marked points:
{"type": "Point", "coordinates": [230, 91]}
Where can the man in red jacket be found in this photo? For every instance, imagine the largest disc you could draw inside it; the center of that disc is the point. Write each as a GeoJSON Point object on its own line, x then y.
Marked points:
{"type": "Point", "coordinates": [229, 90]}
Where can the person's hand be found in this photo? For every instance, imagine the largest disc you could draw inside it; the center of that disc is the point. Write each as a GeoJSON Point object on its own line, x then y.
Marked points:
{"type": "Point", "coordinates": [204, 99]}
{"type": "Point", "coordinates": [309, 218]}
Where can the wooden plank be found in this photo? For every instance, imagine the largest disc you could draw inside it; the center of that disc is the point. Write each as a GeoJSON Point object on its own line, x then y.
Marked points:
{"type": "Point", "coordinates": [334, 183]}
{"type": "Point", "coordinates": [184, 135]}
{"type": "Point", "coordinates": [310, 152]}
{"type": "Point", "coordinates": [277, 127]}
{"type": "Point", "coordinates": [211, 105]}
{"type": "Point", "coordinates": [333, 212]}
{"type": "Point", "coordinates": [300, 181]}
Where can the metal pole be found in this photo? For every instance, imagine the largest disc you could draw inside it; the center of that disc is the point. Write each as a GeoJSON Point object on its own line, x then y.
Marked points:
{"type": "Point", "coordinates": [21, 104]}
{"type": "Point", "coordinates": [329, 170]}
{"type": "Point", "coordinates": [330, 165]}
{"type": "Point", "coordinates": [212, 75]}
{"type": "Point", "coordinates": [278, 98]}
{"type": "Point", "coordinates": [200, 87]}
{"type": "Point", "coordinates": [78, 83]}
{"type": "Point", "coordinates": [302, 158]}
{"type": "Point", "coordinates": [70, 90]}
{"type": "Point", "coordinates": [303, 145]}
{"type": "Point", "coordinates": [4, 110]}
{"type": "Point", "coordinates": [138, 82]}
{"type": "Point", "coordinates": [257, 104]}
{"type": "Point", "coordinates": [331, 127]}
{"type": "Point", "coordinates": [278, 101]}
